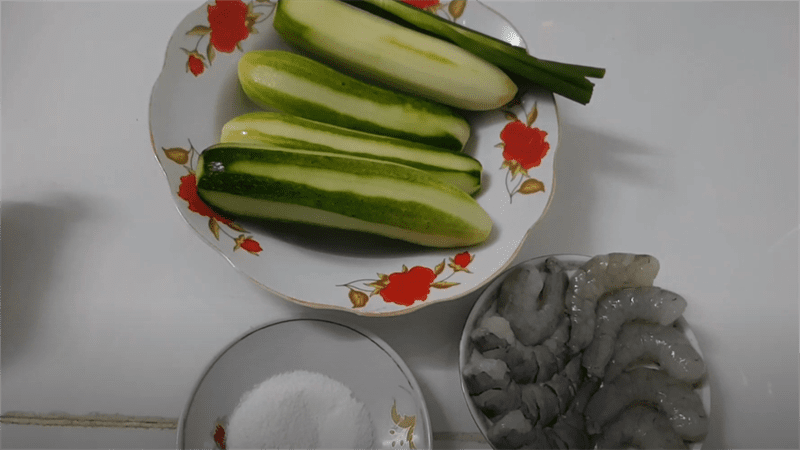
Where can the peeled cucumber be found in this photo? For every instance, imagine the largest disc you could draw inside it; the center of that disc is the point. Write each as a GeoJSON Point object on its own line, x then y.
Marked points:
{"type": "Point", "coordinates": [288, 131]}
{"type": "Point", "coordinates": [391, 54]}
{"type": "Point", "coordinates": [301, 86]}
{"type": "Point", "coordinates": [246, 180]}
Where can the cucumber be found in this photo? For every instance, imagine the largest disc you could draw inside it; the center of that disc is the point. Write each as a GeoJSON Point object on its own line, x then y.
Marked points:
{"type": "Point", "coordinates": [391, 54]}
{"type": "Point", "coordinates": [251, 181]}
{"type": "Point", "coordinates": [288, 131]}
{"type": "Point", "coordinates": [303, 87]}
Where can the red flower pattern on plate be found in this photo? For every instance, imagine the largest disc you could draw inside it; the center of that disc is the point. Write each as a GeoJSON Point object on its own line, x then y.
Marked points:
{"type": "Point", "coordinates": [219, 436]}
{"type": "Point", "coordinates": [524, 146]}
{"type": "Point", "coordinates": [460, 262]}
{"type": "Point", "coordinates": [408, 285]}
{"type": "Point", "coordinates": [453, 10]}
{"type": "Point", "coordinates": [229, 23]}
{"type": "Point", "coordinates": [196, 64]}
{"type": "Point", "coordinates": [188, 191]}
{"type": "Point", "coordinates": [227, 20]}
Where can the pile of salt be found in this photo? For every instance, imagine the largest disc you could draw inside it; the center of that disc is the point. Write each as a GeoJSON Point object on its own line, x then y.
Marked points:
{"type": "Point", "coordinates": [299, 409]}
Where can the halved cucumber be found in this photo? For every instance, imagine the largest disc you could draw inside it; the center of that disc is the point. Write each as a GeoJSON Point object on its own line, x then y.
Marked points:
{"type": "Point", "coordinates": [288, 131]}
{"type": "Point", "coordinates": [339, 191]}
{"type": "Point", "coordinates": [303, 87]}
{"type": "Point", "coordinates": [394, 55]}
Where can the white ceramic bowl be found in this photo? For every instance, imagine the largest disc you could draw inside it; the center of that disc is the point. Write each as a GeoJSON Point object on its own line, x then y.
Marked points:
{"type": "Point", "coordinates": [357, 358]}
{"type": "Point", "coordinates": [484, 302]}
{"type": "Point", "coordinates": [198, 91]}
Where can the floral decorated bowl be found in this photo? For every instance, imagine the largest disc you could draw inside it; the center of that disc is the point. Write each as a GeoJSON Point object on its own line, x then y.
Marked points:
{"type": "Point", "coordinates": [197, 92]}
{"type": "Point", "coordinates": [388, 390]}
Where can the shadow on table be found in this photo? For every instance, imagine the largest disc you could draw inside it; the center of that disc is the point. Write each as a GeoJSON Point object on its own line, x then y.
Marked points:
{"type": "Point", "coordinates": [33, 236]}
{"type": "Point", "coordinates": [586, 159]}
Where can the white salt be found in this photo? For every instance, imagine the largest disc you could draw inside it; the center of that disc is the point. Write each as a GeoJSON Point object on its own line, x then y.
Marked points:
{"type": "Point", "coordinates": [299, 409]}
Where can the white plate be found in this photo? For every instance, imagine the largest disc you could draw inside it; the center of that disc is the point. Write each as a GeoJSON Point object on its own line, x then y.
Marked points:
{"type": "Point", "coordinates": [357, 358]}
{"type": "Point", "coordinates": [332, 269]}
{"type": "Point", "coordinates": [485, 301]}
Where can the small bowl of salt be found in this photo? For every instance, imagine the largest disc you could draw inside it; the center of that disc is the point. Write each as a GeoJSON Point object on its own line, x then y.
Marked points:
{"type": "Point", "coordinates": [302, 384]}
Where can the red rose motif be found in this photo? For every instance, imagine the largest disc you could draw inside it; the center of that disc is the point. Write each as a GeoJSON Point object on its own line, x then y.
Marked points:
{"type": "Point", "coordinates": [422, 4]}
{"type": "Point", "coordinates": [195, 64]}
{"type": "Point", "coordinates": [524, 146]}
{"type": "Point", "coordinates": [219, 436]}
{"type": "Point", "coordinates": [463, 259]}
{"type": "Point", "coordinates": [228, 22]}
{"type": "Point", "coordinates": [460, 262]}
{"type": "Point", "coordinates": [188, 192]}
{"type": "Point", "coordinates": [247, 244]}
{"type": "Point", "coordinates": [404, 288]}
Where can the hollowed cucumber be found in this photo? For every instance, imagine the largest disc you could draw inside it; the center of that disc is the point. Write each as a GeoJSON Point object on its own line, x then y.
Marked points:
{"type": "Point", "coordinates": [389, 53]}
{"type": "Point", "coordinates": [288, 131]}
{"type": "Point", "coordinates": [300, 86]}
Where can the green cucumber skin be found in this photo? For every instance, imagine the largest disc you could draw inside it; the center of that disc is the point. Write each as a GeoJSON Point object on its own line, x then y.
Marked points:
{"type": "Point", "coordinates": [235, 170]}
{"type": "Point", "coordinates": [288, 131]}
{"type": "Point", "coordinates": [422, 121]}
{"type": "Point", "coordinates": [443, 73]}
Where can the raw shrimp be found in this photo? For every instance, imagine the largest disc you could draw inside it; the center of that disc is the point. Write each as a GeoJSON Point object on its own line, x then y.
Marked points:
{"type": "Point", "coordinates": [532, 301]}
{"type": "Point", "coordinates": [572, 371]}
{"type": "Point", "coordinates": [481, 374]}
{"type": "Point", "coordinates": [493, 332]}
{"type": "Point", "coordinates": [557, 342]}
{"type": "Point", "coordinates": [650, 304]}
{"type": "Point", "coordinates": [544, 401]}
{"type": "Point", "coordinates": [570, 428]}
{"type": "Point", "coordinates": [511, 430]}
{"type": "Point", "coordinates": [536, 363]}
{"type": "Point", "coordinates": [564, 390]}
{"type": "Point", "coordinates": [539, 439]}
{"type": "Point", "coordinates": [547, 361]}
{"type": "Point", "coordinates": [649, 342]}
{"type": "Point", "coordinates": [521, 362]}
{"type": "Point", "coordinates": [640, 427]}
{"type": "Point", "coordinates": [675, 398]}
{"type": "Point", "coordinates": [601, 274]}
{"type": "Point", "coordinates": [496, 402]}
{"type": "Point", "coordinates": [539, 403]}
{"type": "Point", "coordinates": [514, 430]}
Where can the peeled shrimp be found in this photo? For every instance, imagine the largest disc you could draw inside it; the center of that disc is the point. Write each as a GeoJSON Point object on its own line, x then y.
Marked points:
{"type": "Point", "coordinates": [539, 403]}
{"type": "Point", "coordinates": [674, 398]}
{"type": "Point", "coordinates": [533, 302]}
{"type": "Point", "coordinates": [522, 363]}
{"type": "Point", "coordinates": [511, 430]}
{"type": "Point", "coordinates": [640, 427]}
{"type": "Point", "coordinates": [599, 275]}
{"type": "Point", "coordinates": [570, 428]}
{"type": "Point", "coordinates": [651, 304]}
{"type": "Point", "coordinates": [482, 374]}
{"type": "Point", "coordinates": [493, 332]}
{"type": "Point", "coordinates": [537, 363]}
{"type": "Point", "coordinates": [543, 402]}
{"type": "Point", "coordinates": [514, 430]}
{"type": "Point", "coordinates": [496, 402]}
{"type": "Point", "coordinates": [666, 345]}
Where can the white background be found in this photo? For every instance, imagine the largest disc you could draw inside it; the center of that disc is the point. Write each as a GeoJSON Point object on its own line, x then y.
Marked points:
{"type": "Point", "coordinates": [688, 151]}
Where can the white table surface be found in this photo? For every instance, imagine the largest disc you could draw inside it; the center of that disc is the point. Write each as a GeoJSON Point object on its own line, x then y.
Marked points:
{"type": "Point", "coordinates": [688, 151]}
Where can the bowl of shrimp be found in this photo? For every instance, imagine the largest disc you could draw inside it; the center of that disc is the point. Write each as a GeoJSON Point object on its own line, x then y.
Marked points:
{"type": "Point", "coordinates": [572, 351]}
